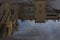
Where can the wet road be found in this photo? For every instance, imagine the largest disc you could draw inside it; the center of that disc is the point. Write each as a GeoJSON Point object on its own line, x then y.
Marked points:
{"type": "Point", "coordinates": [38, 31]}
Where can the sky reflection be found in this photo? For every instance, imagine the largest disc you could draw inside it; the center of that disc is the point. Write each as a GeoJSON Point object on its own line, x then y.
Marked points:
{"type": "Point", "coordinates": [50, 29]}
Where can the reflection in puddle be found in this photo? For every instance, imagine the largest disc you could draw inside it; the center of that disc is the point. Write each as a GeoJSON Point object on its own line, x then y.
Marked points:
{"type": "Point", "coordinates": [38, 31]}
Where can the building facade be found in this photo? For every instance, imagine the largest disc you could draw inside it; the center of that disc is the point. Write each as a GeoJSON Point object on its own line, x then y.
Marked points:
{"type": "Point", "coordinates": [29, 9]}
{"type": "Point", "coordinates": [40, 10]}
{"type": "Point", "coordinates": [34, 9]}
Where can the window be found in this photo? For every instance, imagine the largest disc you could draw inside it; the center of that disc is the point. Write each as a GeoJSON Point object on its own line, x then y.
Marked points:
{"type": "Point", "coordinates": [25, 3]}
{"type": "Point", "coordinates": [12, 11]}
{"type": "Point", "coordinates": [51, 15]}
{"type": "Point", "coordinates": [4, 12]}
{"type": "Point", "coordinates": [40, 11]}
{"type": "Point", "coordinates": [40, 5]}
{"type": "Point", "coordinates": [35, 8]}
{"type": "Point", "coordinates": [28, 9]}
{"type": "Point", "coordinates": [31, 2]}
{"type": "Point", "coordinates": [0, 4]}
